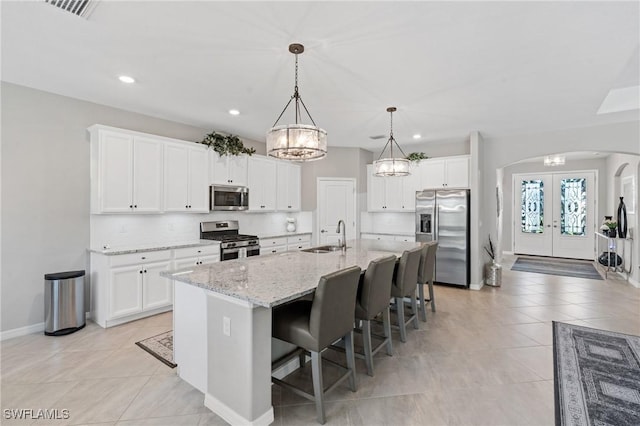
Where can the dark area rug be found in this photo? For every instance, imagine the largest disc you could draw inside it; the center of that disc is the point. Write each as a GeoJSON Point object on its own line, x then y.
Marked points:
{"type": "Point", "coordinates": [562, 267]}
{"type": "Point", "coordinates": [596, 376]}
{"type": "Point", "coordinates": [161, 347]}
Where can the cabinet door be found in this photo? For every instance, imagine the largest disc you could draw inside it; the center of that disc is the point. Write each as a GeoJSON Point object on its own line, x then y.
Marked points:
{"type": "Point", "coordinates": [205, 260]}
{"type": "Point", "coordinates": [116, 172]}
{"type": "Point", "coordinates": [157, 291]}
{"type": "Point", "coordinates": [219, 168]}
{"type": "Point", "coordinates": [432, 172]}
{"type": "Point", "coordinates": [237, 170]}
{"type": "Point", "coordinates": [393, 193]}
{"type": "Point", "coordinates": [410, 184]}
{"type": "Point", "coordinates": [125, 291]}
{"type": "Point", "coordinates": [288, 186]}
{"type": "Point", "coordinates": [176, 178]}
{"type": "Point", "coordinates": [375, 191]}
{"type": "Point", "coordinates": [262, 184]}
{"type": "Point", "coordinates": [198, 182]}
{"type": "Point", "coordinates": [147, 175]}
{"type": "Point", "coordinates": [187, 262]}
{"type": "Point", "coordinates": [457, 173]}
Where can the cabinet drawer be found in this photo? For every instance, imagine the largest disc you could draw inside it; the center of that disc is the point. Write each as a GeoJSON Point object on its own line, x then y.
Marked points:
{"type": "Point", "coordinates": [207, 250]}
{"type": "Point", "coordinates": [137, 258]}
{"type": "Point", "coordinates": [273, 250]}
{"type": "Point", "coordinates": [296, 239]}
{"type": "Point", "coordinates": [298, 246]}
{"type": "Point", "coordinates": [271, 242]}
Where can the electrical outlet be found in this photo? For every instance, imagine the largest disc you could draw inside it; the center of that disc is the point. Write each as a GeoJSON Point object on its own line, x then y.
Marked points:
{"type": "Point", "coordinates": [226, 326]}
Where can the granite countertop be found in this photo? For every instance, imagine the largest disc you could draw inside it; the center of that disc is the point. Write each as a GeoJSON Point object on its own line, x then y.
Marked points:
{"type": "Point", "coordinates": [111, 251]}
{"type": "Point", "coordinates": [270, 280]}
{"type": "Point", "coordinates": [284, 234]}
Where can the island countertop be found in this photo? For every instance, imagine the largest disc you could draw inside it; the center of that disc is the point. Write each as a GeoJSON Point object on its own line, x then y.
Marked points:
{"type": "Point", "coordinates": [270, 280]}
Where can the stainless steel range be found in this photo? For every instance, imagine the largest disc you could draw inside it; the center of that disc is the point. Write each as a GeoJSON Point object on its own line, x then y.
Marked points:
{"type": "Point", "coordinates": [232, 244]}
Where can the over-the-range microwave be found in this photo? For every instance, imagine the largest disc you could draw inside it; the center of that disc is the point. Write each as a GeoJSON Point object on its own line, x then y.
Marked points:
{"type": "Point", "coordinates": [228, 198]}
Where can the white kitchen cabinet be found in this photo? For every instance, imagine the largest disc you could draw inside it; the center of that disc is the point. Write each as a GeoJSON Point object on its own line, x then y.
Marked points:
{"type": "Point", "coordinates": [288, 186]}
{"type": "Point", "coordinates": [126, 172]}
{"type": "Point", "coordinates": [128, 286]}
{"type": "Point", "coordinates": [450, 172]}
{"type": "Point", "coordinates": [262, 184]}
{"type": "Point", "coordinates": [392, 194]}
{"type": "Point", "coordinates": [228, 169]}
{"type": "Point", "coordinates": [387, 237]}
{"type": "Point", "coordinates": [193, 256]}
{"type": "Point", "coordinates": [186, 178]}
{"type": "Point", "coordinates": [273, 245]}
{"type": "Point", "coordinates": [298, 242]}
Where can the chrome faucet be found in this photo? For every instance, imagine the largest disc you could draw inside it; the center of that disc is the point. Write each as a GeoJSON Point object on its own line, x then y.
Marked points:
{"type": "Point", "coordinates": [342, 243]}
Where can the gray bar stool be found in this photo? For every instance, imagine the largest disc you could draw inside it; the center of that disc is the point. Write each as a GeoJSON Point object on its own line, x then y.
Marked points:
{"type": "Point", "coordinates": [404, 285]}
{"type": "Point", "coordinates": [373, 298]}
{"type": "Point", "coordinates": [314, 325]}
{"type": "Point", "coordinates": [425, 276]}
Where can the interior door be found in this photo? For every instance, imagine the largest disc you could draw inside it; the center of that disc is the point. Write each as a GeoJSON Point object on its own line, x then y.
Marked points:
{"type": "Point", "coordinates": [336, 201]}
{"type": "Point", "coordinates": [554, 214]}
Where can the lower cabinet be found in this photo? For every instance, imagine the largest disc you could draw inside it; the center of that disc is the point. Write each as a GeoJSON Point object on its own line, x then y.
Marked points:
{"type": "Point", "coordinates": [275, 245]}
{"type": "Point", "coordinates": [387, 237]}
{"type": "Point", "coordinates": [129, 286]}
{"type": "Point", "coordinates": [193, 256]}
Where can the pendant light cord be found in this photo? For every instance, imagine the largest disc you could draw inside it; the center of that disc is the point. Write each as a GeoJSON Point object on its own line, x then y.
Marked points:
{"type": "Point", "coordinates": [298, 98]}
{"type": "Point", "coordinates": [391, 141]}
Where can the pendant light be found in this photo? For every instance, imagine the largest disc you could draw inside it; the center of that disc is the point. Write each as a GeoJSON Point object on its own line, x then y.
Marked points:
{"type": "Point", "coordinates": [296, 142]}
{"type": "Point", "coordinates": [391, 166]}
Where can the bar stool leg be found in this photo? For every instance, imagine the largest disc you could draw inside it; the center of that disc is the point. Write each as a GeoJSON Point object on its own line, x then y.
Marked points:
{"type": "Point", "coordinates": [366, 336]}
{"type": "Point", "coordinates": [414, 311]}
{"type": "Point", "coordinates": [423, 304]}
{"type": "Point", "coordinates": [303, 359]}
{"type": "Point", "coordinates": [351, 360]}
{"type": "Point", "coordinates": [433, 299]}
{"type": "Point", "coordinates": [401, 324]}
{"type": "Point", "coordinates": [318, 387]}
{"type": "Point", "coordinates": [386, 322]}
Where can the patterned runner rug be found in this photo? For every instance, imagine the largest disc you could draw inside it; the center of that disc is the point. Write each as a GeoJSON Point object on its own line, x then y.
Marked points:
{"type": "Point", "coordinates": [161, 347]}
{"type": "Point", "coordinates": [563, 267]}
{"type": "Point", "coordinates": [596, 376]}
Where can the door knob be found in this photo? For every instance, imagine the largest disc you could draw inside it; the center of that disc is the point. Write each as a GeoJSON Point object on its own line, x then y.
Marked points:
{"type": "Point", "coordinates": [322, 231]}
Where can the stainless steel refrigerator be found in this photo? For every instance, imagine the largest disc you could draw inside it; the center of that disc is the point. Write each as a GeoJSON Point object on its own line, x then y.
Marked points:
{"type": "Point", "coordinates": [443, 215]}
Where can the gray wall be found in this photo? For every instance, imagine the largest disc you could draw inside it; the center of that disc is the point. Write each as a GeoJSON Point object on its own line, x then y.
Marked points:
{"type": "Point", "coordinates": [537, 167]}
{"type": "Point", "coordinates": [45, 189]}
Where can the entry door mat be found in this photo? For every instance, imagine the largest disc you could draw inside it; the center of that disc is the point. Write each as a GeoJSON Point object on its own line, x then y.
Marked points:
{"type": "Point", "coordinates": [161, 347]}
{"type": "Point", "coordinates": [596, 376]}
{"type": "Point", "coordinates": [562, 267]}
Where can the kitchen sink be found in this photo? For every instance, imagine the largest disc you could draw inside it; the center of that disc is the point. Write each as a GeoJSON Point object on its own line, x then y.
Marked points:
{"type": "Point", "coordinates": [322, 249]}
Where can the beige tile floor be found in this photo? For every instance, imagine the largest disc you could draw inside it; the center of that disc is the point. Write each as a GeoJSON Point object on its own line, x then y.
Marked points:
{"type": "Point", "coordinates": [484, 358]}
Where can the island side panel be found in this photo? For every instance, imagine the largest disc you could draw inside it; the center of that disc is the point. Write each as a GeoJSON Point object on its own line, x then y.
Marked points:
{"type": "Point", "coordinates": [239, 364]}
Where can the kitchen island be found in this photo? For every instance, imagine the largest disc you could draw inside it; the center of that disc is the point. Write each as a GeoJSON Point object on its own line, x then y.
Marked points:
{"type": "Point", "coordinates": [222, 321]}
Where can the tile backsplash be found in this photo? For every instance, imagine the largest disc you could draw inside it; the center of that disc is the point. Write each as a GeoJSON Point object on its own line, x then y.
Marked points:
{"type": "Point", "coordinates": [400, 223]}
{"type": "Point", "coordinates": [130, 230]}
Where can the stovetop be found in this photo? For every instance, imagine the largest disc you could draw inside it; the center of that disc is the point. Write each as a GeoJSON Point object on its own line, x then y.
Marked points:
{"type": "Point", "coordinates": [228, 238]}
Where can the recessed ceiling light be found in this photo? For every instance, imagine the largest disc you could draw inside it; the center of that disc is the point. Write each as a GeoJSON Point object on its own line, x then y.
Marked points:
{"type": "Point", "coordinates": [126, 79]}
{"type": "Point", "coordinates": [417, 136]}
{"type": "Point", "coordinates": [234, 112]}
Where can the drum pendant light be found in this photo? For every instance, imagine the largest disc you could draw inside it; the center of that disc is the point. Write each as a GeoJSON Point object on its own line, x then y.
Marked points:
{"type": "Point", "coordinates": [391, 166]}
{"type": "Point", "coordinates": [296, 142]}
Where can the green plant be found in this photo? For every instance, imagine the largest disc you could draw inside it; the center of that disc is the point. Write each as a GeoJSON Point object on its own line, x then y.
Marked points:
{"type": "Point", "coordinates": [417, 156]}
{"type": "Point", "coordinates": [612, 224]}
{"type": "Point", "coordinates": [226, 145]}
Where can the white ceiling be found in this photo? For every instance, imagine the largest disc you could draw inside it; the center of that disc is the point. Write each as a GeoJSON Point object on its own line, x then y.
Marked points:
{"type": "Point", "coordinates": [449, 67]}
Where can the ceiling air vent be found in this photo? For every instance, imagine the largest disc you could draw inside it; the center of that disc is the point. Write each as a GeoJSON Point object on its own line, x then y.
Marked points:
{"type": "Point", "coordinates": [377, 137]}
{"type": "Point", "coordinates": [80, 8]}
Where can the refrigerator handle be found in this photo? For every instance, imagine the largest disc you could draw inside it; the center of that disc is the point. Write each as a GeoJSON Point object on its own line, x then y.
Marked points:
{"type": "Point", "coordinates": [436, 221]}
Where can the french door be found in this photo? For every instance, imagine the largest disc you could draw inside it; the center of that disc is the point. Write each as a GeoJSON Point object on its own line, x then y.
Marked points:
{"type": "Point", "coordinates": [554, 214]}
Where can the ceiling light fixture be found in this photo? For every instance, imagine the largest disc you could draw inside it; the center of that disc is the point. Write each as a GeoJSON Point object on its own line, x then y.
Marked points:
{"type": "Point", "coordinates": [126, 79]}
{"type": "Point", "coordinates": [296, 142]}
{"type": "Point", "coordinates": [417, 136]}
{"type": "Point", "coordinates": [391, 166]}
{"type": "Point", "coordinates": [554, 160]}
{"type": "Point", "coordinates": [234, 112]}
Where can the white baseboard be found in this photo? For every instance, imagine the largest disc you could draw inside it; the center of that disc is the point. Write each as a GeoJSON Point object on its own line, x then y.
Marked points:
{"type": "Point", "coordinates": [29, 329]}
{"type": "Point", "coordinates": [230, 415]}
{"type": "Point", "coordinates": [509, 253]}
{"type": "Point", "coordinates": [476, 286]}
{"type": "Point", "coordinates": [22, 331]}
{"type": "Point", "coordinates": [634, 283]}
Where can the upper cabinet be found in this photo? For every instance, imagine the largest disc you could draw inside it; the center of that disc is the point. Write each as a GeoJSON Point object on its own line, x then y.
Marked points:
{"type": "Point", "coordinates": [186, 169]}
{"type": "Point", "coordinates": [392, 194]}
{"type": "Point", "coordinates": [126, 172]}
{"type": "Point", "coordinates": [288, 182]}
{"type": "Point", "coordinates": [449, 172]}
{"type": "Point", "coordinates": [228, 169]}
{"type": "Point", "coordinates": [262, 184]}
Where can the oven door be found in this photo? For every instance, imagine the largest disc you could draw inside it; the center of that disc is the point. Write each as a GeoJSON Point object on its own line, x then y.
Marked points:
{"type": "Point", "coordinates": [229, 254]}
{"type": "Point", "coordinates": [253, 251]}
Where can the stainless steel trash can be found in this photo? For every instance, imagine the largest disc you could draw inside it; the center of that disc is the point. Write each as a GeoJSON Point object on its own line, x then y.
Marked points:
{"type": "Point", "coordinates": [63, 303]}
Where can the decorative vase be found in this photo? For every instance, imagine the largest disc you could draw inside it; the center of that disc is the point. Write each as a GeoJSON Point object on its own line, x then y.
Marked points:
{"type": "Point", "coordinates": [610, 259]}
{"type": "Point", "coordinates": [291, 225]}
{"type": "Point", "coordinates": [622, 219]}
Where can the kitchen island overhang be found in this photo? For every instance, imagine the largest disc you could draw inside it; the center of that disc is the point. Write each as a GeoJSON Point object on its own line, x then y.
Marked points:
{"type": "Point", "coordinates": [222, 321]}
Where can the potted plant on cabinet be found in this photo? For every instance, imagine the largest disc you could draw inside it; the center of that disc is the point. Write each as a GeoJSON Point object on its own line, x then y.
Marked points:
{"type": "Point", "coordinates": [226, 145]}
